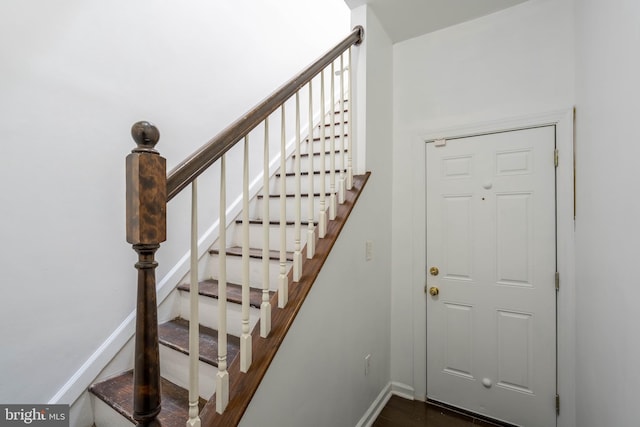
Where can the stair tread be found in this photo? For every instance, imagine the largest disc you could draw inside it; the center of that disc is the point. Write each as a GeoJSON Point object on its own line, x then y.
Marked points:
{"type": "Point", "coordinates": [277, 196]}
{"type": "Point", "coordinates": [209, 288]}
{"type": "Point", "coordinates": [337, 123]}
{"type": "Point", "coordinates": [271, 222]}
{"type": "Point", "coordinates": [175, 334]}
{"type": "Point", "coordinates": [117, 392]}
{"type": "Point", "coordinates": [278, 174]}
{"type": "Point", "coordinates": [253, 253]}
{"type": "Point", "coordinates": [328, 137]}
{"type": "Point", "coordinates": [315, 153]}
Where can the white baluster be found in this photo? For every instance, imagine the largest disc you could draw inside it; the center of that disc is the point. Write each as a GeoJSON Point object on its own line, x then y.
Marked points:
{"type": "Point", "coordinates": [342, 181]}
{"type": "Point", "coordinates": [265, 307]}
{"type": "Point", "coordinates": [283, 280]}
{"type": "Point", "coordinates": [350, 127]}
{"type": "Point", "coordinates": [311, 233]}
{"type": "Point", "coordinates": [245, 337]}
{"type": "Point", "coordinates": [297, 254]}
{"type": "Point", "coordinates": [222, 378]}
{"type": "Point", "coordinates": [332, 149]}
{"type": "Point", "coordinates": [322, 220]}
{"type": "Point", "coordinates": [194, 333]}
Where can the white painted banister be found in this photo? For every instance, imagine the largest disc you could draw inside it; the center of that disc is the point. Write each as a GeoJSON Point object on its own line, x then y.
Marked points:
{"type": "Point", "coordinates": [222, 377]}
{"type": "Point", "coordinates": [311, 240]}
{"type": "Point", "coordinates": [350, 127]}
{"type": "Point", "coordinates": [283, 280]}
{"type": "Point", "coordinates": [194, 324]}
{"type": "Point", "coordinates": [342, 182]}
{"type": "Point", "coordinates": [245, 337]}
{"type": "Point", "coordinates": [332, 149]}
{"type": "Point", "coordinates": [297, 251]}
{"type": "Point", "coordinates": [265, 307]}
{"type": "Point", "coordinates": [322, 219]}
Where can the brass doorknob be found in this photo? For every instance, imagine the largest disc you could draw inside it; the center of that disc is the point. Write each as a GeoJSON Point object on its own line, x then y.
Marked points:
{"type": "Point", "coordinates": [434, 271]}
{"type": "Point", "coordinates": [434, 291]}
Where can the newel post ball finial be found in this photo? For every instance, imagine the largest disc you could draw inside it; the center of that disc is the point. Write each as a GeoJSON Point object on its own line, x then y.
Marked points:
{"type": "Point", "coordinates": [146, 187]}
{"type": "Point", "coordinates": [146, 135]}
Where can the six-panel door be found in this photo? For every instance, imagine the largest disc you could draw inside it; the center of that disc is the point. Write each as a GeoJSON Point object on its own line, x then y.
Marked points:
{"type": "Point", "coordinates": [491, 344]}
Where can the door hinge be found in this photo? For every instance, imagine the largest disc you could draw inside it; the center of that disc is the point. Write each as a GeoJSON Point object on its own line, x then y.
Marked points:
{"type": "Point", "coordinates": [557, 404]}
{"type": "Point", "coordinates": [557, 281]}
{"type": "Point", "coordinates": [555, 157]}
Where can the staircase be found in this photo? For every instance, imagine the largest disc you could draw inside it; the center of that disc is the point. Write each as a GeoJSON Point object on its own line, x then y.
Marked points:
{"type": "Point", "coordinates": [113, 399]}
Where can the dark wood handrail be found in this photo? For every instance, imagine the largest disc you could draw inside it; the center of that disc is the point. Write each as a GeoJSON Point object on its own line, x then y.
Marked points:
{"type": "Point", "coordinates": [183, 174]}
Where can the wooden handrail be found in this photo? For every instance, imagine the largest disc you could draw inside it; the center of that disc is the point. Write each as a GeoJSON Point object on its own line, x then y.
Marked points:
{"type": "Point", "coordinates": [183, 174]}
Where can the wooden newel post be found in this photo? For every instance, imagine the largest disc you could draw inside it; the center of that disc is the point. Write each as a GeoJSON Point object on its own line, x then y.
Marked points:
{"type": "Point", "coordinates": [146, 229]}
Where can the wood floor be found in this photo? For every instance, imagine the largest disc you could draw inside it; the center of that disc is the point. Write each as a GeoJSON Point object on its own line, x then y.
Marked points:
{"type": "Point", "coordinates": [400, 412]}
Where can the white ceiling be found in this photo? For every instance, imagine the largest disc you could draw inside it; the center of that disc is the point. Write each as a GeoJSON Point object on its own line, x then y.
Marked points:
{"type": "Point", "coordinates": [405, 19]}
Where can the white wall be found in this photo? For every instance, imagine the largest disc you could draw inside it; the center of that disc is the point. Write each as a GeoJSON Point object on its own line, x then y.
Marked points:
{"type": "Point", "coordinates": [75, 75]}
{"type": "Point", "coordinates": [513, 63]}
{"type": "Point", "coordinates": [608, 107]}
{"type": "Point", "coordinates": [317, 378]}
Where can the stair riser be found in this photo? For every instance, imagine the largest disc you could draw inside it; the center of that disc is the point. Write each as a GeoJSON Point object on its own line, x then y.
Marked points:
{"type": "Point", "coordinates": [304, 162]}
{"type": "Point", "coordinates": [208, 313]}
{"type": "Point", "coordinates": [317, 143]}
{"type": "Point", "coordinates": [105, 416]}
{"type": "Point", "coordinates": [304, 183]}
{"type": "Point", "coordinates": [234, 271]}
{"type": "Point", "coordinates": [274, 208]}
{"type": "Point", "coordinates": [174, 366]}
{"type": "Point", "coordinates": [256, 236]}
{"type": "Point", "coordinates": [337, 126]}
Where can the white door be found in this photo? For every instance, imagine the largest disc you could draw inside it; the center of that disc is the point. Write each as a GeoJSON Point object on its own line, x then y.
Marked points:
{"type": "Point", "coordinates": [491, 328]}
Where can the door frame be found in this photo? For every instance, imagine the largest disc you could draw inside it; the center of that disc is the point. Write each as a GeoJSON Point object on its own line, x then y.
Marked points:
{"type": "Point", "coordinates": [565, 320]}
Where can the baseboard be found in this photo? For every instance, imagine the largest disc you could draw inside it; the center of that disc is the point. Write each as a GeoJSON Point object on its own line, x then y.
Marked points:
{"type": "Point", "coordinates": [376, 407]}
{"type": "Point", "coordinates": [402, 390]}
{"type": "Point", "coordinates": [80, 381]}
{"type": "Point", "coordinates": [392, 388]}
